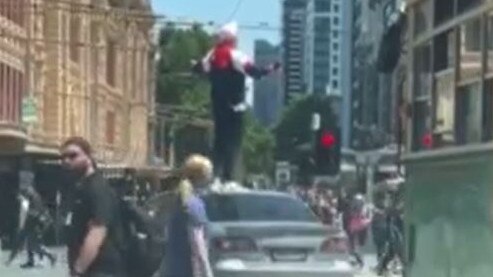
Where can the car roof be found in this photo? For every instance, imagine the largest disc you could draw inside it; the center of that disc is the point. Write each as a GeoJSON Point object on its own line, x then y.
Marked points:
{"type": "Point", "coordinates": [252, 193]}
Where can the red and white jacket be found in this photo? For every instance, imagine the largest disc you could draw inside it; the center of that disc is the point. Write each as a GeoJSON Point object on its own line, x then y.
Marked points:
{"type": "Point", "coordinates": [227, 68]}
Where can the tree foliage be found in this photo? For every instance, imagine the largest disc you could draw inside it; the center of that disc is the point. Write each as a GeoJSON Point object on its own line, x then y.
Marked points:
{"type": "Point", "coordinates": [258, 147]}
{"type": "Point", "coordinates": [176, 84]}
{"type": "Point", "coordinates": [293, 134]}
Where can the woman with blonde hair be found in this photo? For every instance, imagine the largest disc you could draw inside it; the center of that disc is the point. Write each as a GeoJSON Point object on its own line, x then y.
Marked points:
{"type": "Point", "coordinates": [186, 250]}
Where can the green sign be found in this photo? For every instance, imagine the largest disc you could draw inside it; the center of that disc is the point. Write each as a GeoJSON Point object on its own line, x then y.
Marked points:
{"type": "Point", "coordinates": [29, 110]}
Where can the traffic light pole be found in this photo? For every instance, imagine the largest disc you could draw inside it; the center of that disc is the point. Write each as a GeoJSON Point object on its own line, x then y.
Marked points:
{"type": "Point", "coordinates": [370, 180]}
{"type": "Point", "coordinates": [316, 125]}
{"type": "Point", "coordinates": [370, 160]}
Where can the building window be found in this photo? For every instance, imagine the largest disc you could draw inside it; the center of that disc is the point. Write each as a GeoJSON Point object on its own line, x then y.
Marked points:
{"type": "Point", "coordinates": [444, 51]}
{"type": "Point", "coordinates": [335, 59]}
{"type": "Point", "coordinates": [110, 127]}
{"type": "Point", "coordinates": [444, 116]}
{"type": "Point", "coordinates": [465, 5]}
{"type": "Point", "coordinates": [335, 34]}
{"type": "Point", "coordinates": [422, 86]}
{"type": "Point", "coordinates": [335, 84]}
{"type": "Point", "coordinates": [335, 46]}
{"type": "Point", "coordinates": [10, 93]}
{"type": "Point", "coordinates": [335, 71]}
{"type": "Point", "coordinates": [111, 63]}
{"type": "Point", "coordinates": [13, 10]}
{"type": "Point", "coordinates": [322, 6]}
{"type": "Point", "coordinates": [470, 50]}
{"type": "Point", "coordinates": [336, 8]}
{"type": "Point", "coordinates": [75, 27]}
{"type": "Point", "coordinates": [423, 17]}
{"type": "Point", "coordinates": [468, 111]}
{"type": "Point", "coordinates": [422, 71]}
{"type": "Point", "coordinates": [444, 121]}
{"type": "Point", "coordinates": [444, 11]}
{"type": "Point", "coordinates": [336, 21]}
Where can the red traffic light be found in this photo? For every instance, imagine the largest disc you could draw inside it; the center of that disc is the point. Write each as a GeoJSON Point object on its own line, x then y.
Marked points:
{"type": "Point", "coordinates": [327, 140]}
{"type": "Point", "coordinates": [427, 140]}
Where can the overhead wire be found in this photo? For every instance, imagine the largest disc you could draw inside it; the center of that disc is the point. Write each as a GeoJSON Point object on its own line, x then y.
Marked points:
{"type": "Point", "coordinates": [128, 14]}
{"type": "Point", "coordinates": [235, 10]}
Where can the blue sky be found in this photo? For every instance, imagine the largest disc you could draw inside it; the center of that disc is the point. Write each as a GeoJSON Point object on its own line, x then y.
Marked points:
{"type": "Point", "coordinates": [250, 12]}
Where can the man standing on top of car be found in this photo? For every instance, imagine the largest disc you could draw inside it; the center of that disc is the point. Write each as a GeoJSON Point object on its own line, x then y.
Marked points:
{"type": "Point", "coordinates": [227, 68]}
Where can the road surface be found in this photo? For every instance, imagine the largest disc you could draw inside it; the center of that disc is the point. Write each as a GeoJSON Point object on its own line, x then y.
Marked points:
{"type": "Point", "coordinates": [44, 269]}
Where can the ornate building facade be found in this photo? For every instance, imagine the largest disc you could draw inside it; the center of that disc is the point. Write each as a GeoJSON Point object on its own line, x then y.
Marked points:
{"type": "Point", "coordinates": [73, 68]}
{"type": "Point", "coordinates": [85, 66]}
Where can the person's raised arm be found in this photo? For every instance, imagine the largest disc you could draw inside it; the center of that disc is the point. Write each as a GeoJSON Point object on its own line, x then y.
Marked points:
{"type": "Point", "coordinates": [244, 64]}
{"type": "Point", "coordinates": [202, 66]}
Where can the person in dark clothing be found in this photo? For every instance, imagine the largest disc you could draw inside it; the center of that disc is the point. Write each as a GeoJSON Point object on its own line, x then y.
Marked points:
{"type": "Point", "coordinates": [35, 230]}
{"type": "Point", "coordinates": [227, 68]}
{"type": "Point", "coordinates": [394, 237]}
{"type": "Point", "coordinates": [37, 221]}
{"type": "Point", "coordinates": [94, 223]}
{"type": "Point", "coordinates": [343, 208]}
{"type": "Point", "coordinates": [379, 225]}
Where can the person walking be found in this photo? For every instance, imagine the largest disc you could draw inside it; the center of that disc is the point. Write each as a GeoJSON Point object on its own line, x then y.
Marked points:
{"type": "Point", "coordinates": [359, 220]}
{"type": "Point", "coordinates": [35, 220]}
{"type": "Point", "coordinates": [187, 243]}
{"type": "Point", "coordinates": [94, 223]}
{"type": "Point", "coordinates": [20, 237]}
{"type": "Point", "coordinates": [379, 225]}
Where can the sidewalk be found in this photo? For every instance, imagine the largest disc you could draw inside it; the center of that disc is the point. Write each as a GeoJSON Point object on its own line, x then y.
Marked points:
{"type": "Point", "coordinates": [43, 269]}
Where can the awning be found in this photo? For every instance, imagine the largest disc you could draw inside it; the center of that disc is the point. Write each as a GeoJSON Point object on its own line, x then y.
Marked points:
{"type": "Point", "coordinates": [118, 170]}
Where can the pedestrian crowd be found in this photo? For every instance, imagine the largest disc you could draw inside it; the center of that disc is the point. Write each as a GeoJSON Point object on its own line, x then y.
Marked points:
{"type": "Point", "coordinates": [357, 217]}
{"type": "Point", "coordinates": [104, 226]}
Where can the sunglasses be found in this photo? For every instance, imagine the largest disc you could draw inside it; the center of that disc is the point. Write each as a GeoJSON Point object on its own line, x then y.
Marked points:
{"type": "Point", "coordinates": [70, 156]}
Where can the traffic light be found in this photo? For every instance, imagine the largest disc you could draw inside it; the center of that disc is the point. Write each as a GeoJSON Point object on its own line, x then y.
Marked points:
{"type": "Point", "coordinates": [328, 151]}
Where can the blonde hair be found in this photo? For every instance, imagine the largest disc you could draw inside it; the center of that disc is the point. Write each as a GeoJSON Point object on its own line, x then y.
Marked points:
{"type": "Point", "coordinates": [196, 169]}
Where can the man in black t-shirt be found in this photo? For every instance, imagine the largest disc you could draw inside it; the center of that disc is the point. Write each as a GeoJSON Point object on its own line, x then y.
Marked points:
{"type": "Point", "coordinates": [94, 221]}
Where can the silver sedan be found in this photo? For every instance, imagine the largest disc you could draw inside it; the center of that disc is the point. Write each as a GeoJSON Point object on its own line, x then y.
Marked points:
{"type": "Point", "coordinates": [266, 234]}
{"type": "Point", "coordinates": [272, 234]}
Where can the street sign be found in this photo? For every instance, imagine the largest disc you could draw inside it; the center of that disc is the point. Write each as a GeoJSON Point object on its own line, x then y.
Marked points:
{"type": "Point", "coordinates": [316, 122]}
{"type": "Point", "coordinates": [29, 110]}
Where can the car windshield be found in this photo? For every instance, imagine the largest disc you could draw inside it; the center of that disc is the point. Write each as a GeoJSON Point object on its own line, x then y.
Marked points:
{"type": "Point", "coordinates": [266, 208]}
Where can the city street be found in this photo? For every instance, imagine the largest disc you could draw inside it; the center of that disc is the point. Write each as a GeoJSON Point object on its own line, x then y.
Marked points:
{"type": "Point", "coordinates": [44, 269]}
{"type": "Point", "coordinates": [60, 270]}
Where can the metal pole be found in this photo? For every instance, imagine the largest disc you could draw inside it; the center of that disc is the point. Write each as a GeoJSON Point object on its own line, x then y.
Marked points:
{"type": "Point", "coordinates": [370, 179]}
{"type": "Point", "coordinates": [57, 215]}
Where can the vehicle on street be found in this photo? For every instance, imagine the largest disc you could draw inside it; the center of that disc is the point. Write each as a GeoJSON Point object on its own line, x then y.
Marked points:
{"type": "Point", "coordinates": [268, 234]}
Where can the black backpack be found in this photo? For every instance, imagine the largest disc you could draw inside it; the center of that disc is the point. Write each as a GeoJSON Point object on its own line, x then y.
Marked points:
{"type": "Point", "coordinates": [143, 250]}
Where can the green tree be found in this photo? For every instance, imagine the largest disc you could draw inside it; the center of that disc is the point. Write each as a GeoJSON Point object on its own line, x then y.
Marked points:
{"type": "Point", "coordinates": [258, 147]}
{"type": "Point", "coordinates": [176, 85]}
{"type": "Point", "coordinates": [293, 134]}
